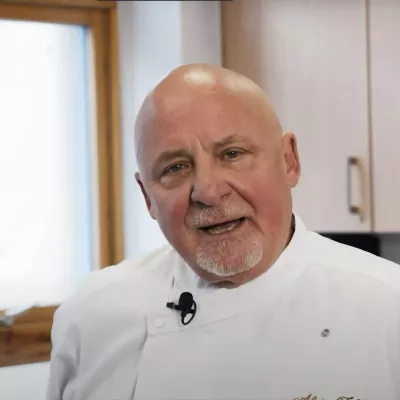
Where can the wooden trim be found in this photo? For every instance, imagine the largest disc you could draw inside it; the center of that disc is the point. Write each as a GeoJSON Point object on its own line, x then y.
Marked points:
{"type": "Point", "coordinates": [91, 4]}
{"type": "Point", "coordinates": [109, 163]}
{"type": "Point", "coordinates": [28, 340]}
{"type": "Point", "coordinates": [66, 16]}
{"type": "Point", "coordinates": [99, 39]}
{"type": "Point", "coordinates": [115, 131]}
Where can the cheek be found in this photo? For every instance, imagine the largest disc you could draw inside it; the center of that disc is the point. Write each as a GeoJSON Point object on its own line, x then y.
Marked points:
{"type": "Point", "coordinates": [270, 197]}
{"type": "Point", "coordinates": [170, 210]}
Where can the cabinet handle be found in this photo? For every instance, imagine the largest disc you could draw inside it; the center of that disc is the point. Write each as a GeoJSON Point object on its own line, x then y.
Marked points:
{"type": "Point", "coordinates": [353, 209]}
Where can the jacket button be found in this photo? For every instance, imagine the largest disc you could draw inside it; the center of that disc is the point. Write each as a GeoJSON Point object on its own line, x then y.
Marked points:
{"type": "Point", "coordinates": [158, 322]}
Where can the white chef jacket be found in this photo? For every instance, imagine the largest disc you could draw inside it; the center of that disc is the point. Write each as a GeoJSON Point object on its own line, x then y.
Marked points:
{"type": "Point", "coordinates": [322, 323]}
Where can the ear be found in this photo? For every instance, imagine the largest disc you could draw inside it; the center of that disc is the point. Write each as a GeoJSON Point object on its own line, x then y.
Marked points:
{"type": "Point", "coordinates": [145, 195]}
{"type": "Point", "coordinates": [292, 160]}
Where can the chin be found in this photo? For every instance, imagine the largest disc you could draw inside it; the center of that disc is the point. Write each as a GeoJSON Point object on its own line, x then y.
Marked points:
{"type": "Point", "coordinates": [229, 265]}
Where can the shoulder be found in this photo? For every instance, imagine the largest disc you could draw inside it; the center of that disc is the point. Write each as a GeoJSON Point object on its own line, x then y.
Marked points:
{"type": "Point", "coordinates": [134, 285]}
{"type": "Point", "coordinates": [356, 265]}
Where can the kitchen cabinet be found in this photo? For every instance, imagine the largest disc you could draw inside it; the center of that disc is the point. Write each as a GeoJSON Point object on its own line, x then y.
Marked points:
{"type": "Point", "coordinates": [313, 60]}
{"type": "Point", "coordinates": [384, 39]}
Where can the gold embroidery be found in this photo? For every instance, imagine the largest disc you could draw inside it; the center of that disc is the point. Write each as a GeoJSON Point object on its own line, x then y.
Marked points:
{"type": "Point", "coordinates": [312, 397]}
{"type": "Point", "coordinates": [309, 397]}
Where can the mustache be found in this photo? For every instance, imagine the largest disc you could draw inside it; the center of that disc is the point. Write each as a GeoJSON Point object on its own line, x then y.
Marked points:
{"type": "Point", "coordinates": [216, 215]}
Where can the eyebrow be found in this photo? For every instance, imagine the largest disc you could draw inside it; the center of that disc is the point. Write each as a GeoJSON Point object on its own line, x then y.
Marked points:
{"type": "Point", "coordinates": [228, 140]}
{"type": "Point", "coordinates": [169, 155]}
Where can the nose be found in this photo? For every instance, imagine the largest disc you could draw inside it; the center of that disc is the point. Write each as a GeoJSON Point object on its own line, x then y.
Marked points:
{"type": "Point", "coordinates": [209, 186]}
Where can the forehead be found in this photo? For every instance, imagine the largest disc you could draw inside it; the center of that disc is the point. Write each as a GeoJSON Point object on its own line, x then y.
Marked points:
{"type": "Point", "coordinates": [209, 118]}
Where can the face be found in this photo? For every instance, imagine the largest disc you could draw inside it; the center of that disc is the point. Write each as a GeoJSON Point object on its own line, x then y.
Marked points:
{"type": "Point", "coordinates": [216, 175]}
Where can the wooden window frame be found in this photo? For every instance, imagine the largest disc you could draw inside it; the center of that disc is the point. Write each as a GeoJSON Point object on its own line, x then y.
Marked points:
{"type": "Point", "coordinates": [28, 339]}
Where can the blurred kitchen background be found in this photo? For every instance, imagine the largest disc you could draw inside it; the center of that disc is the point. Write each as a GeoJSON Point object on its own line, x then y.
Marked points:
{"type": "Point", "coordinates": [73, 74]}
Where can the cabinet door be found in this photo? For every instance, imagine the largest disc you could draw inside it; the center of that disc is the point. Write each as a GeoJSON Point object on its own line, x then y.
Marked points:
{"type": "Point", "coordinates": [310, 56]}
{"type": "Point", "coordinates": [385, 112]}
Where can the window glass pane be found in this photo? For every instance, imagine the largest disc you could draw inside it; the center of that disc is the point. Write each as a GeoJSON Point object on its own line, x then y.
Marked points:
{"type": "Point", "coordinates": [46, 198]}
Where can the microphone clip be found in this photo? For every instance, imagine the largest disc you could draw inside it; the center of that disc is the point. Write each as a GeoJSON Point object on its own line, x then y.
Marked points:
{"type": "Point", "coordinates": [186, 305]}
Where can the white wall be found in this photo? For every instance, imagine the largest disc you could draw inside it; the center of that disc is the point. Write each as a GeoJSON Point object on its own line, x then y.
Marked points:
{"type": "Point", "coordinates": [26, 382]}
{"type": "Point", "coordinates": [155, 37]}
{"type": "Point", "coordinates": [201, 32]}
{"type": "Point", "coordinates": [150, 47]}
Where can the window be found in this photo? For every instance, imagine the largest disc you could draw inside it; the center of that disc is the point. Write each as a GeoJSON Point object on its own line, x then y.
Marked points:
{"type": "Point", "coordinates": [59, 161]}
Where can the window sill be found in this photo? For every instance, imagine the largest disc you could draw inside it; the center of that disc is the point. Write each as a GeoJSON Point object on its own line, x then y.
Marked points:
{"type": "Point", "coordinates": [28, 339]}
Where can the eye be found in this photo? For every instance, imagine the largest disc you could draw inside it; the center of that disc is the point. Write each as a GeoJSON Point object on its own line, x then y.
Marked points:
{"type": "Point", "coordinates": [175, 169]}
{"type": "Point", "coordinates": [232, 154]}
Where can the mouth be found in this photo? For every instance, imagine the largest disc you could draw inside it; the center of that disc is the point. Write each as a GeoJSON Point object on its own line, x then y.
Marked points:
{"type": "Point", "coordinates": [223, 227]}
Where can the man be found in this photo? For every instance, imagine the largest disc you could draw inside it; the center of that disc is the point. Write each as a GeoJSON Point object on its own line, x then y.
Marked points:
{"type": "Point", "coordinates": [281, 313]}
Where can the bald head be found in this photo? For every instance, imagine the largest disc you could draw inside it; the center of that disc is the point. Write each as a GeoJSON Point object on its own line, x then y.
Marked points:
{"type": "Point", "coordinates": [204, 76]}
{"type": "Point", "coordinates": [184, 84]}
{"type": "Point", "coordinates": [216, 171]}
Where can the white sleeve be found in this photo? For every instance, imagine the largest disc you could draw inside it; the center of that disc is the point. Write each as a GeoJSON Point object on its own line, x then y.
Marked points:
{"type": "Point", "coordinates": [65, 337]}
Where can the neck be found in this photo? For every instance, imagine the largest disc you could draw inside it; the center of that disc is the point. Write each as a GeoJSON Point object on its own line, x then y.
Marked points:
{"type": "Point", "coordinates": [292, 229]}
